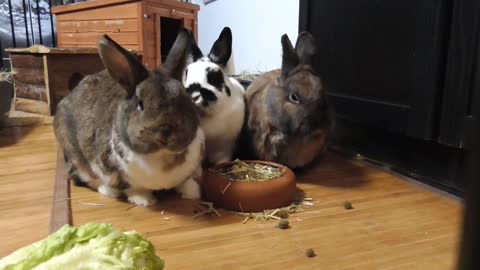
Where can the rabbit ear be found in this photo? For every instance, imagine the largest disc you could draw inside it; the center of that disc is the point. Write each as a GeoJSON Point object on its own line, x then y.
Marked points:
{"type": "Point", "coordinates": [123, 66]}
{"type": "Point", "coordinates": [222, 48]}
{"type": "Point", "coordinates": [195, 51]}
{"type": "Point", "coordinates": [177, 57]}
{"type": "Point", "coordinates": [305, 48]}
{"type": "Point", "coordinates": [289, 56]}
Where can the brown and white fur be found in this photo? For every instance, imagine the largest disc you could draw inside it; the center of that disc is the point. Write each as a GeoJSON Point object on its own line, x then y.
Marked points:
{"type": "Point", "coordinates": [288, 117]}
{"type": "Point", "coordinates": [127, 130]}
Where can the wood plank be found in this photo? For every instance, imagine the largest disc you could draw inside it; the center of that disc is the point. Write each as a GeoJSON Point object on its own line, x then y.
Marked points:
{"type": "Point", "coordinates": [158, 39]}
{"type": "Point", "coordinates": [150, 62]}
{"type": "Point", "coordinates": [42, 50]}
{"type": "Point", "coordinates": [170, 13]}
{"type": "Point", "coordinates": [34, 49]}
{"type": "Point", "coordinates": [126, 38]}
{"type": "Point", "coordinates": [88, 5]}
{"type": "Point", "coordinates": [150, 40]}
{"type": "Point", "coordinates": [18, 119]}
{"type": "Point", "coordinates": [62, 65]}
{"type": "Point", "coordinates": [61, 209]}
{"type": "Point", "coordinates": [104, 26]}
{"type": "Point", "coordinates": [29, 75]}
{"type": "Point", "coordinates": [140, 18]}
{"type": "Point", "coordinates": [188, 24]}
{"type": "Point", "coordinates": [31, 91]}
{"type": "Point", "coordinates": [102, 3]}
{"type": "Point", "coordinates": [39, 50]}
{"type": "Point", "coordinates": [32, 106]}
{"type": "Point", "coordinates": [28, 61]}
{"type": "Point", "coordinates": [126, 11]}
{"type": "Point", "coordinates": [27, 169]}
{"type": "Point", "coordinates": [132, 48]}
{"type": "Point", "coordinates": [195, 26]}
{"type": "Point", "coordinates": [173, 4]}
{"type": "Point", "coordinates": [47, 85]}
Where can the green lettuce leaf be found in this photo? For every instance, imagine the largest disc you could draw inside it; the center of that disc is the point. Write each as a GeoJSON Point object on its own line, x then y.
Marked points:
{"type": "Point", "coordinates": [91, 246]}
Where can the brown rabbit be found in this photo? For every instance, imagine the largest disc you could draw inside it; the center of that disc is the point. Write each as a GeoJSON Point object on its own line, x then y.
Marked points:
{"type": "Point", "coordinates": [288, 118]}
{"type": "Point", "coordinates": [127, 130]}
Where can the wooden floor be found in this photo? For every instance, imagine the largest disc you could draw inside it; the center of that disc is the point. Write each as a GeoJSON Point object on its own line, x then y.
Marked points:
{"type": "Point", "coordinates": [27, 170]}
{"type": "Point", "coordinates": [395, 224]}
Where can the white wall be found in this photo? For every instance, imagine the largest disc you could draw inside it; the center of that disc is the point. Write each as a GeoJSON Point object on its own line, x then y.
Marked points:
{"type": "Point", "coordinates": [257, 26]}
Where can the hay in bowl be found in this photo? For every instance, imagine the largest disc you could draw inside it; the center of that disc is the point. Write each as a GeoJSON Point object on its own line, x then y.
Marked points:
{"type": "Point", "coordinates": [251, 172]}
{"type": "Point", "coordinates": [249, 185]}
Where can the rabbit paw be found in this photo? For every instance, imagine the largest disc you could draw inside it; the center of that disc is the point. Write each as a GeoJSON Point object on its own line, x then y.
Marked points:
{"type": "Point", "coordinates": [141, 197]}
{"type": "Point", "coordinates": [109, 191]}
{"type": "Point", "coordinates": [189, 189]}
{"type": "Point", "coordinates": [276, 140]}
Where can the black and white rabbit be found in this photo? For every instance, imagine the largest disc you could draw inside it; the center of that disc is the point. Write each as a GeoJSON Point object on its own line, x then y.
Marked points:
{"type": "Point", "coordinates": [128, 130]}
{"type": "Point", "coordinates": [219, 98]}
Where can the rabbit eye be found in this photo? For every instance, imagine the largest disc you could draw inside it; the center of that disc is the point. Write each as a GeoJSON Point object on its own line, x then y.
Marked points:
{"type": "Point", "coordinates": [140, 105]}
{"type": "Point", "coordinates": [293, 98]}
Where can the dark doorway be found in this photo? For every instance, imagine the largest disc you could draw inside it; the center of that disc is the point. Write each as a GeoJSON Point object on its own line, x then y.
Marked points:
{"type": "Point", "coordinates": [169, 30]}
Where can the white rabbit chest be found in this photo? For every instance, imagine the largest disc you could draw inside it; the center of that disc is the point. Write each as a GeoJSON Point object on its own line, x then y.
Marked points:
{"type": "Point", "coordinates": [151, 171]}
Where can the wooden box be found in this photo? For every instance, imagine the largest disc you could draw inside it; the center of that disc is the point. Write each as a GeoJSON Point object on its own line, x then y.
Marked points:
{"type": "Point", "coordinates": [43, 76]}
{"type": "Point", "coordinates": [146, 26]}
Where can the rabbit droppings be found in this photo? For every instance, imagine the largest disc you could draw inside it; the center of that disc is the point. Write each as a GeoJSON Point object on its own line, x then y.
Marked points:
{"type": "Point", "coordinates": [219, 98]}
{"type": "Point", "coordinates": [127, 130]}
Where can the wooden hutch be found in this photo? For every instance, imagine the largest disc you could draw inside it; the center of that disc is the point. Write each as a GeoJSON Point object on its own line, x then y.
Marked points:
{"type": "Point", "coordinates": [148, 27]}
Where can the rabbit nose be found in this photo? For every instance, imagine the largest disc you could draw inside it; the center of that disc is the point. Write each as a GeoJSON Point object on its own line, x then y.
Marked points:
{"type": "Point", "coordinates": [165, 131]}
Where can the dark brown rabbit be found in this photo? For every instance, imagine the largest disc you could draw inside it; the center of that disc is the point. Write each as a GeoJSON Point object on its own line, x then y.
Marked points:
{"type": "Point", "coordinates": [128, 130]}
{"type": "Point", "coordinates": [288, 118]}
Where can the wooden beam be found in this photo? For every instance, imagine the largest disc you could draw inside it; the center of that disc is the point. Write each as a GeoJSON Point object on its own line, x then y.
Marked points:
{"type": "Point", "coordinates": [88, 5]}
{"type": "Point", "coordinates": [61, 208]}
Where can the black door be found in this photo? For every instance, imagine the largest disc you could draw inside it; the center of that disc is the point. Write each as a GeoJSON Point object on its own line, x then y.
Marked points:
{"type": "Point", "coordinates": [460, 105]}
{"type": "Point", "coordinates": [382, 62]}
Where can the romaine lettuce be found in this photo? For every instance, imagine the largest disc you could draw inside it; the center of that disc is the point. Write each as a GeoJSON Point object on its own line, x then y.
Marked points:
{"type": "Point", "coordinates": [91, 246]}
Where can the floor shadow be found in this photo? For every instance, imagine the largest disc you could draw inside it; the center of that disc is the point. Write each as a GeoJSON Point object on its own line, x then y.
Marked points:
{"type": "Point", "coordinates": [333, 170]}
{"type": "Point", "coordinates": [171, 202]}
{"type": "Point", "coordinates": [299, 195]}
{"type": "Point", "coordinates": [10, 135]}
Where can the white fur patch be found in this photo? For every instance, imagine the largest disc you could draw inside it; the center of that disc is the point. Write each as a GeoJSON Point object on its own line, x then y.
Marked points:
{"type": "Point", "coordinates": [141, 197]}
{"type": "Point", "coordinates": [189, 189]}
{"type": "Point", "coordinates": [109, 191]}
{"type": "Point", "coordinates": [145, 171]}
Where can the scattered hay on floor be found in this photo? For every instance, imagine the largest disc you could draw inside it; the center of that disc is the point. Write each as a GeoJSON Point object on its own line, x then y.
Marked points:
{"type": "Point", "coordinates": [91, 204]}
{"type": "Point", "coordinates": [279, 213]}
{"type": "Point", "coordinates": [268, 215]}
{"type": "Point", "coordinates": [205, 208]}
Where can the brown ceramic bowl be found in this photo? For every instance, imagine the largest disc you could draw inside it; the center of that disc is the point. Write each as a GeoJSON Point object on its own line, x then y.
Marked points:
{"type": "Point", "coordinates": [249, 196]}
